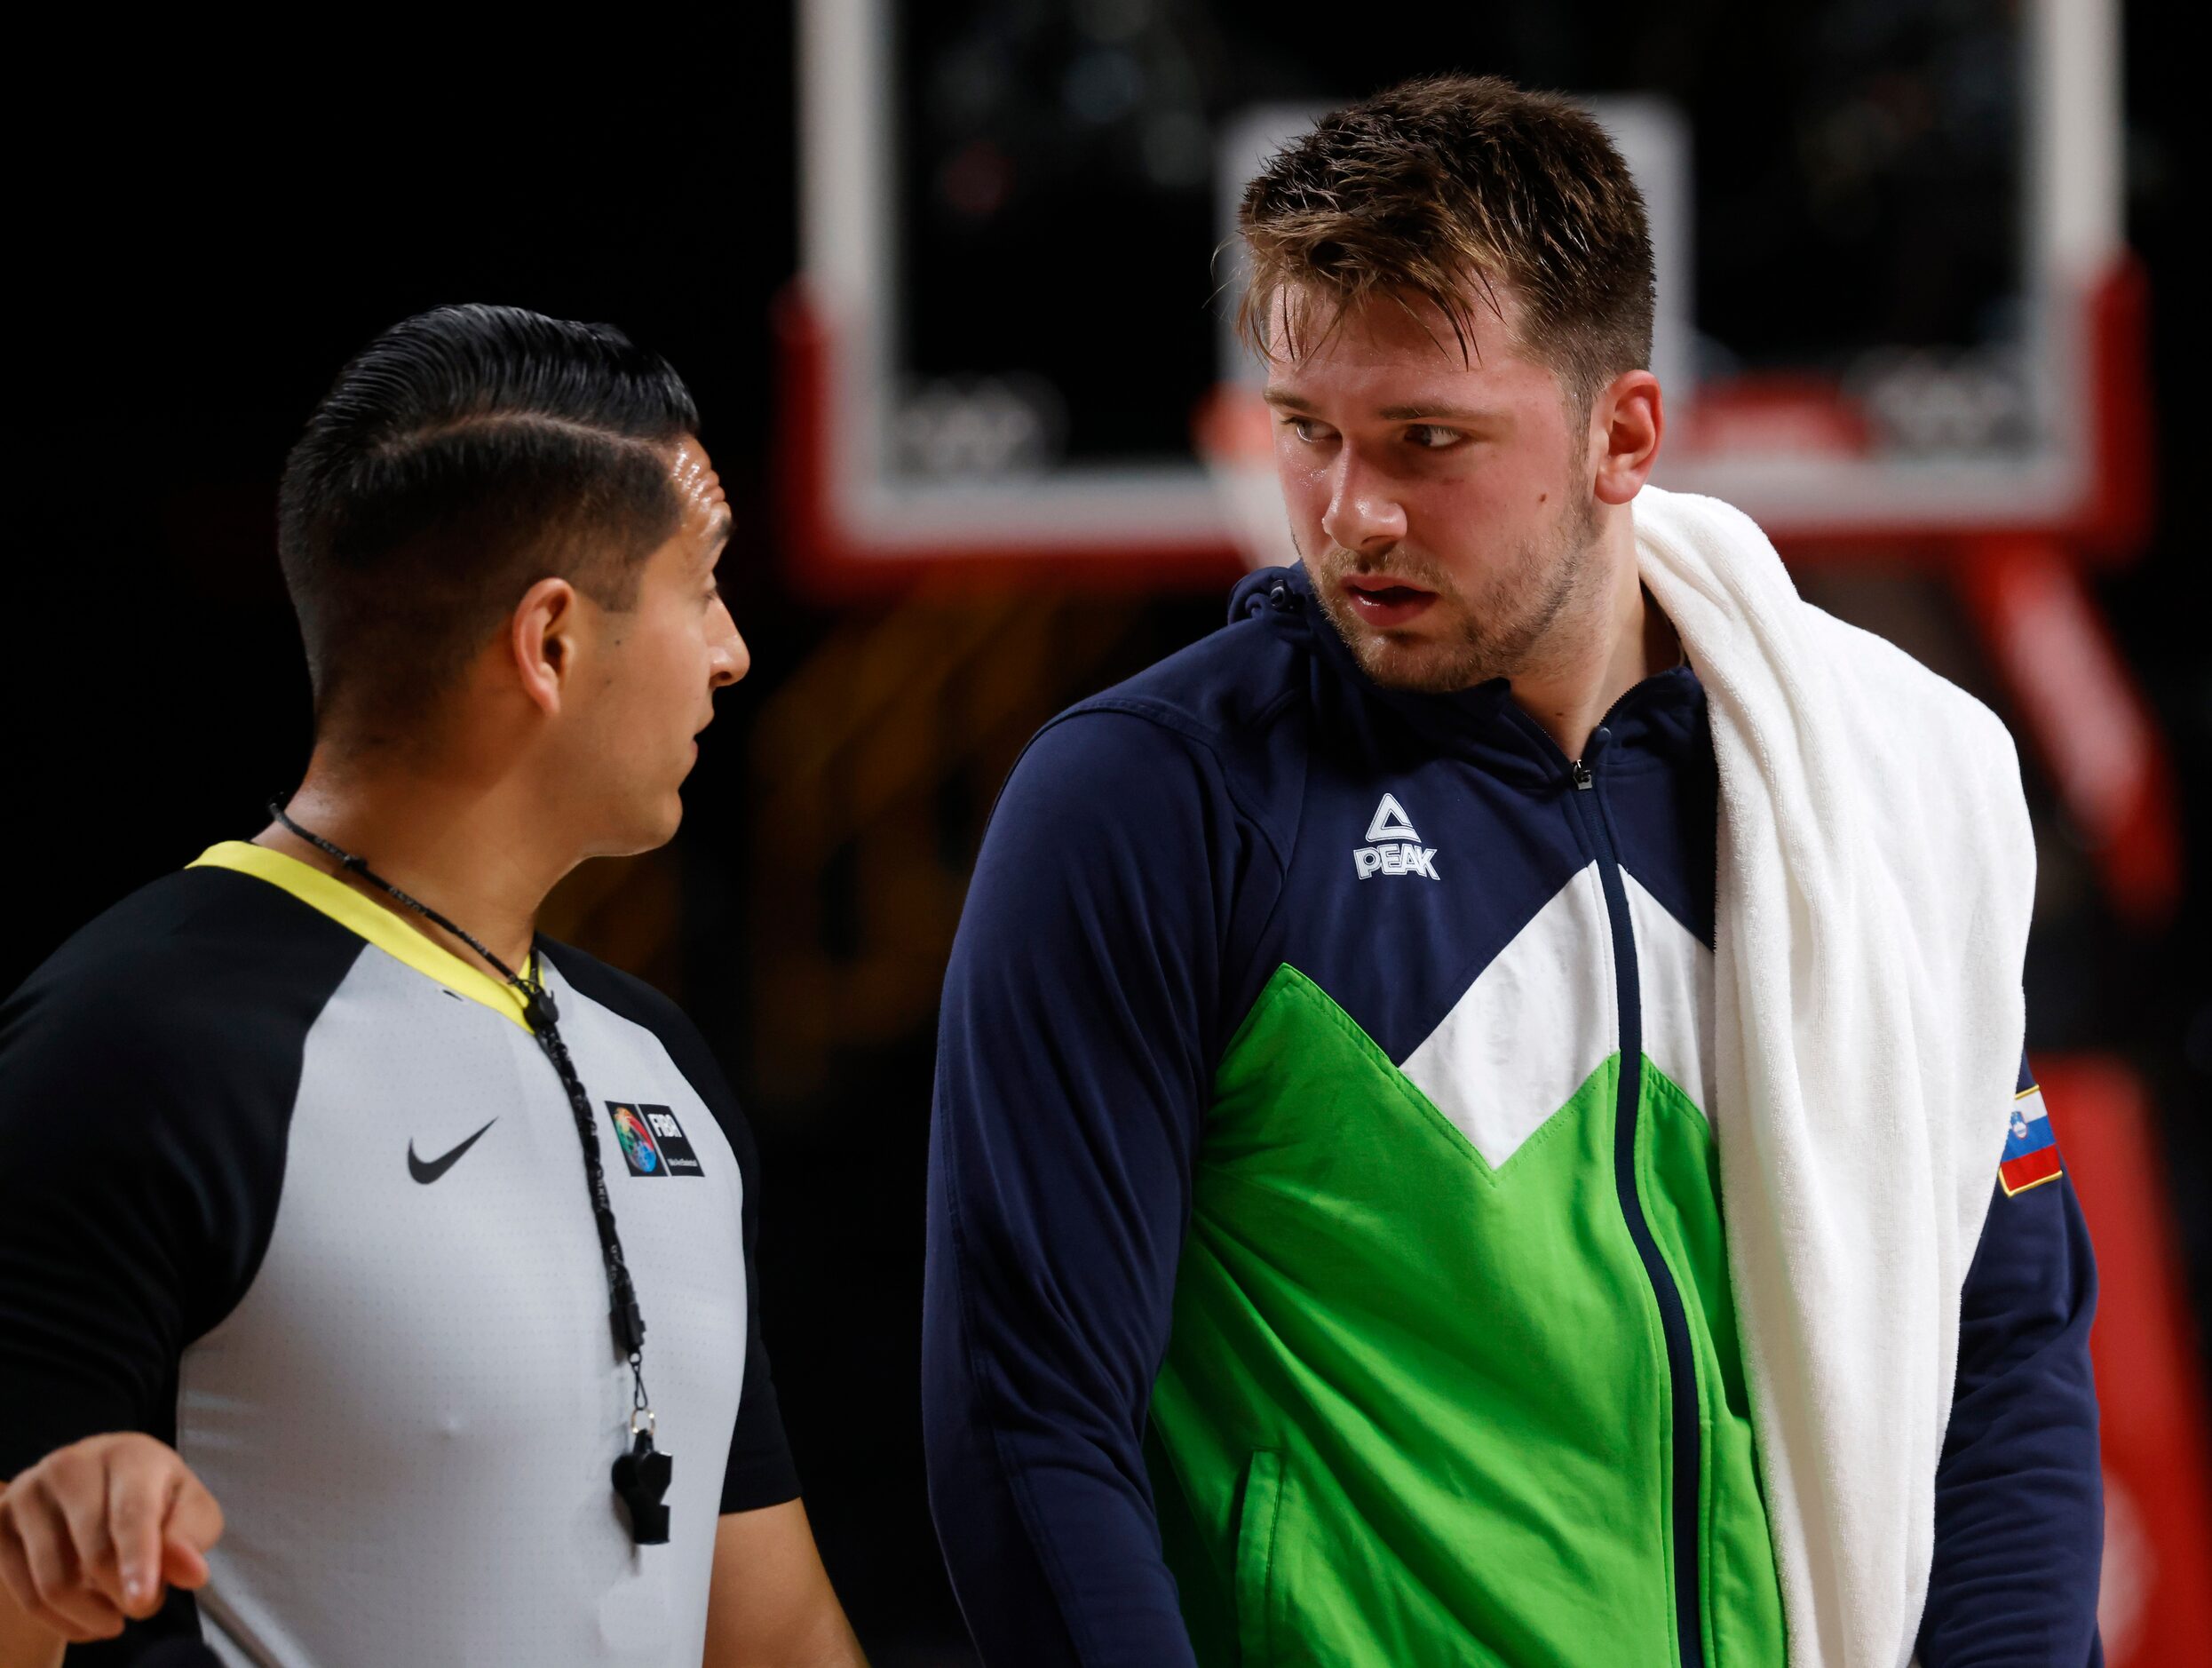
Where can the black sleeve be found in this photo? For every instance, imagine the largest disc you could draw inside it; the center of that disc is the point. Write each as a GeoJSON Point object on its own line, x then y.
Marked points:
{"type": "Point", "coordinates": [147, 1072]}
{"type": "Point", "coordinates": [760, 1471]}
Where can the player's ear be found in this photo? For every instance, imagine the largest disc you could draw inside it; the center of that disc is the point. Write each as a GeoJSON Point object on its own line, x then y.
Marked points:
{"type": "Point", "coordinates": [1627, 419]}
{"type": "Point", "coordinates": [542, 638]}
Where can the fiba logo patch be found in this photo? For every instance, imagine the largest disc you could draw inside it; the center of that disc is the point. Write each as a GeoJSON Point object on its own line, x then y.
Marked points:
{"type": "Point", "coordinates": [652, 1140]}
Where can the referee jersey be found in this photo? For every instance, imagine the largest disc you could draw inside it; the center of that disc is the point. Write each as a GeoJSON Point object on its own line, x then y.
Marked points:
{"type": "Point", "coordinates": [289, 1186]}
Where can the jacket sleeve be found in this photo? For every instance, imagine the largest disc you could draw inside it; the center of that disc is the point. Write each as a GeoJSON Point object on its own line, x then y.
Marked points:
{"type": "Point", "coordinates": [1076, 1053]}
{"type": "Point", "coordinates": [2019, 1491]}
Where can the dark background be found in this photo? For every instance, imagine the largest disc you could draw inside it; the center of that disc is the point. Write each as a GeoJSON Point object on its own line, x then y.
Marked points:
{"type": "Point", "coordinates": [200, 247]}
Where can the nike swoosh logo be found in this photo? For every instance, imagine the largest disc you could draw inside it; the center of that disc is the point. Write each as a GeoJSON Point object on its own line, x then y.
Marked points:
{"type": "Point", "coordinates": [428, 1170]}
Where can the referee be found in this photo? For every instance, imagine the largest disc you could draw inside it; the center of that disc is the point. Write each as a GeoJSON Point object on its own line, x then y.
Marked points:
{"type": "Point", "coordinates": [376, 1277]}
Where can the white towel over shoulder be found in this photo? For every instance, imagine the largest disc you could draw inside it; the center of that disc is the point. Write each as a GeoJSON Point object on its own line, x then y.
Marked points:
{"type": "Point", "coordinates": [1877, 874]}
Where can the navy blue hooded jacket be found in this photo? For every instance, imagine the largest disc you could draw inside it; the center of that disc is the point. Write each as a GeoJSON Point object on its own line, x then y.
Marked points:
{"type": "Point", "coordinates": [1158, 854]}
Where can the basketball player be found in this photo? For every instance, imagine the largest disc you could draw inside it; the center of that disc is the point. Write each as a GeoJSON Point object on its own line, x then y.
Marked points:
{"type": "Point", "coordinates": [377, 1278]}
{"type": "Point", "coordinates": [1328, 1260]}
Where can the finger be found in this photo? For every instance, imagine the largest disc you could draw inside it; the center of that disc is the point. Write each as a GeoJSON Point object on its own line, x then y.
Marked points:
{"type": "Point", "coordinates": [15, 1573]}
{"type": "Point", "coordinates": [182, 1564]}
{"type": "Point", "coordinates": [59, 1600]}
{"type": "Point", "coordinates": [139, 1484]}
{"type": "Point", "coordinates": [196, 1517]}
{"type": "Point", "coordinates": [76, 1480]}
{"type": "Point", "coordinates": [195, 1523]}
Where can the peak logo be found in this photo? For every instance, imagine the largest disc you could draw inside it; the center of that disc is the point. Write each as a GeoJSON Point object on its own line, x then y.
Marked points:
{"type": "Point", "coordinates": [1392, 847]}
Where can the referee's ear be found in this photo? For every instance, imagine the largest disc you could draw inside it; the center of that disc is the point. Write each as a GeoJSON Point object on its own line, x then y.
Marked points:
{"type": "Point", "coordinates": [542, 638]}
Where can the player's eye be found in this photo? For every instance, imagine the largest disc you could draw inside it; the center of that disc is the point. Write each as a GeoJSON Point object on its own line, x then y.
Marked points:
{"type": "Point", "coordinates": [1307, 429]}
{"type": "Point", "coordinates": [1429, 438]}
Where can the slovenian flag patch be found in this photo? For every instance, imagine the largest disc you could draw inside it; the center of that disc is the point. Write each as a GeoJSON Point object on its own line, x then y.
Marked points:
{"type": "Point", "coordinates": [2031, 1151]}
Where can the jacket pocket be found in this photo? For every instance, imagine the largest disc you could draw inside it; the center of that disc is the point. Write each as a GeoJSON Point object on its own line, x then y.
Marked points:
{"type": "Point", "coordinates": [1255, 1557]}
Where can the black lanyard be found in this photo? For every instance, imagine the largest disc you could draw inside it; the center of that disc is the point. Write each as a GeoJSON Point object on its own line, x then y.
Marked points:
{"type": "Point", "coordinates": [641, 1472]}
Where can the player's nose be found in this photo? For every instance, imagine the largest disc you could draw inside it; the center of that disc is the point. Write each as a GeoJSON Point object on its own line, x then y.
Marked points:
{"type": "Point", "coordinates": [1363, 513]}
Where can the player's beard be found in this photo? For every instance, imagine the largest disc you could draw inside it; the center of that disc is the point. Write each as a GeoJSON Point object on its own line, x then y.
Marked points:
{"type": "Point", "coordinates": [1502, 628]}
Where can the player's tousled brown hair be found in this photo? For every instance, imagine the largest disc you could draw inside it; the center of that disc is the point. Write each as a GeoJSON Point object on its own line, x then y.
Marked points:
{"type": "Point", "coordinates": [1464, 191]}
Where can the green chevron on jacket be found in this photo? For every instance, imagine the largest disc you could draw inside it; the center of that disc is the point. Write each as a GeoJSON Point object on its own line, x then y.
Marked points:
{"type": "Point", "coordinates": [1415, 1408]}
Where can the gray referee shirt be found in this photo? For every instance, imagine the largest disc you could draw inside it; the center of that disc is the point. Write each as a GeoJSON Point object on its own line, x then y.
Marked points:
{"type": "Point", "coordinates": [285, 1183]}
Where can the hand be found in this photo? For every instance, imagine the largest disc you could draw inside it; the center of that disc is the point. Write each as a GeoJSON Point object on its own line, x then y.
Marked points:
{"type": "Point", "coordinates": [97, 1532]}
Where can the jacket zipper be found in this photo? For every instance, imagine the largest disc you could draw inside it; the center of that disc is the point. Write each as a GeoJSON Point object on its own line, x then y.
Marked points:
{"type": "Point", "coordinates": [1594, 825]}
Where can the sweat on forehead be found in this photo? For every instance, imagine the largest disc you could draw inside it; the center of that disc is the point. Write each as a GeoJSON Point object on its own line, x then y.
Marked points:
{"type": "Point", "coordinates": [693, 477]}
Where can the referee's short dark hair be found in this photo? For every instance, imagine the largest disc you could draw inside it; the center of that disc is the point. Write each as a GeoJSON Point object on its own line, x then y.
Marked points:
{"type": "Point", "coordinates": [464, 455]}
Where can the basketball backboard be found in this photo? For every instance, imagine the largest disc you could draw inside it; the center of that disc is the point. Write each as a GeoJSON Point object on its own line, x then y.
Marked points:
{"type": "Point", "coordinates": [1892, 287]}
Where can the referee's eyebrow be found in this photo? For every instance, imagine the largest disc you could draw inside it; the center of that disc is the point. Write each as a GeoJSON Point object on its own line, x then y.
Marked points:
{"type": "Point", "coordinates": [719, 530]}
